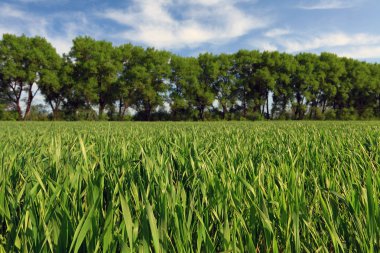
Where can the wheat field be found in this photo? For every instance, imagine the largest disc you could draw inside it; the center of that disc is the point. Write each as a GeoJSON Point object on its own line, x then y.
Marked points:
{"type": "Point", "coordinates": [190, 187]}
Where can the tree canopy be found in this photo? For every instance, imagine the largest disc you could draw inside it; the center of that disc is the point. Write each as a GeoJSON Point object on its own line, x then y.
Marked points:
{"type": "Point", "coordinates": [127, 81]}
{"type": "Point", "coordinates": [26, 65]}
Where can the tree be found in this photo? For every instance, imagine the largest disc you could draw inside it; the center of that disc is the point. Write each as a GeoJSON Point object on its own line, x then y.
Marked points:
{"type": "Point", "coordinates": [189, 96]}
{"type": "Point", "coordinates": [246, 63]}
{"type": "Point", "coordinates": [225, 86]}
{"type": "Point", "coordinates": [375, 74]}
{"type": "Point", "coordinates": [3, 97]}
{"type": "Point", "coordinates": [24, 64]}
{"type": "Point", "coordinates": [56, 85]}
{"type": "Point", "coordinates": [96, 68]}
{"type": "Point", "coordinates": [305, 83]}
{"type": "Point", "coordinates": [203, 95]}
{"type": "Point", "coordinates": [363, 92]}
{"type": "Point", "coordinates": [180, 81]}
{"type": "Point", "coordinates": [98, 76]}
{"type": "Point", "coordinates": [283, 90]}
{"type": "Point", "coordinates": [149, 78]}
{"type": "Point", "coordinates": [341, 100]}
{"type": "Point", "coordinates": [264, 81]}
{"type": "Point", "coordinates": [130, 57]}
{"type": "Point", "coordinates": [332, 70]}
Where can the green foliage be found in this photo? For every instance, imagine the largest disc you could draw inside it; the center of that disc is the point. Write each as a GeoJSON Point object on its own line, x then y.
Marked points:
{"type": "Point", "coordinates": [38, 112]}
{"type": "Point", "coordinates": [6, 114]}
{"type": "Point", "coordinates": [86, 114]}
{"type": "Point", "coordinates": [224, 87]}
{"type": "Point", "coordinates": [347, 114]}
{"type": "Point", "coordinates": [190, 187]}
{"type": "Point", "coordinates": [191, 91]}
{"type": "Point", "coordinates": [159, 85]}
{"type": "Point", "coordinates": [330, 114]}
{"type": "Point", "coordinates": [317, 114]}
{"type": "Point", "coordinates": [26, 63]}
{"type": "Point", "coordinates": [57, 85]}
{"type": "Point", "coordinates": [143, 81]}
{"type": "Point", "coordinates": [96, 66]}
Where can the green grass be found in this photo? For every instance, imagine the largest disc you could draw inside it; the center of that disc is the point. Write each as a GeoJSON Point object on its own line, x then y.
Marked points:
{"type": "Point", "coordinates": [190, 187]}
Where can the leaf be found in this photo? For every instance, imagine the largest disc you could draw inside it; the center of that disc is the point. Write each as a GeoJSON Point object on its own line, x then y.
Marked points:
{"type": "Point", "coordinates": [82, 229]}
{"type": "Point", "coordinates": [127, 220]}
{"type": "Point", "coordinates": [153, 228]}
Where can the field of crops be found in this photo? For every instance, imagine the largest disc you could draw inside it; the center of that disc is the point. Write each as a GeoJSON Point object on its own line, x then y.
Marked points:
{"type": "Point", "coordinates": [190, 187]}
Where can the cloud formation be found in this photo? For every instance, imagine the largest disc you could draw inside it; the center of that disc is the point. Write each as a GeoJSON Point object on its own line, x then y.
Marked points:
{"type": "Point", "coordinates": [358, 45]}
{"type": "Point", "coordinates": [180, 23]}
{"type": "Point", "coordinates": [361, 52]}
{"type": "Point", "coordinates": [191, 26]}
{"type": "Point", "coordinates": [15, 20]}
{"type": "Point", "coordinates": [328, 4]}
{"type": "Point", "coordinates": [277, 32]}
{"type": "Point", "coordinates": [330, 40]}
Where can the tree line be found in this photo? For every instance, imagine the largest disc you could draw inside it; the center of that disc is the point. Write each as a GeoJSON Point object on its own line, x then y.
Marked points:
{"type": "Point", "coordinates": [97, 80]}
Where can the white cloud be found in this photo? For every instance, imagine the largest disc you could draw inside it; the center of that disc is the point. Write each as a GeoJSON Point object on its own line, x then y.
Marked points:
{"type": "Point", "coordinates": [328, 4]}
{"type": "Point", "coordinates": [277, 32]}
{"type": "Point", "coordinates": [358, 46]}
{"type": "Point", "coordinates": [49, 2]}
{"type": "Point", "coordinates": [361, 52]}
{"type": "Point", "coordinates": [9, 11]}
{"type": "Point", "coordinates": [331, 40]}
{"type": "Point", "coordinates": [61, 44]}
{"type": "Point", "coordinates": [16, 20]}
{"type": "Point", "coordinates": [32, 1]}
{"type": "Point", "coordinates": [207, 2]}
{"type": "Point", "coordinates": [215, 21]}
{"type": "Point", "coordinates": [265, 46]}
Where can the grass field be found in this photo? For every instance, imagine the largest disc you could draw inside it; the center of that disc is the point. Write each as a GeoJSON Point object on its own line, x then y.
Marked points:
{"type": "Point", "coordinates": [190, 187]}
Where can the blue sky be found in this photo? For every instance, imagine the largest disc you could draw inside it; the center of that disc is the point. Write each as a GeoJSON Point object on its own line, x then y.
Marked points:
{"type": "Point", "coordinates": [346, 27]}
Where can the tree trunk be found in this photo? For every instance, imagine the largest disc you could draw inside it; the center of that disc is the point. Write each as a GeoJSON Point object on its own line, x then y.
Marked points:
{"type": "Point", "coordinates": [27, 111]}
{"type": "Point", "coordinates": [298, 109]}
{"type": "Point", "coordinates": [101, 99]}
{"type": "Point", "coordinates": [102, 105]}
{"type": "Point", "coordinates": [55, 114]}
{"type": "Point", "coordinates": [283, 109]}
{"type": "Point", "coordinates": [148, 112]}
{"type": "Point", "coordinates": [268, 114]}
{"type": "Point", "coordinates": [201, 110]}
{"type": "Point", "coordinates": [224, 111]}
{"type": "Point", "coordinates": [29, 102]}
{"type": "Point", "coordinates": [19, 111]}
{"type": "Point", "coordinates": [54, 105]}
{"type": "Point", "coordinates": [101, 108]}
{"type": "Point", "coordinates": [324, 106]}
{"type": "Point", "coordinates": [56, 111]}
{"type": "Point", "coordinates": [311, 112]}
{"type": "Point", "coordinates": [124, 110]}
{"type": "Point", "coordinates": [120, 108]}
{"type": "Point", "coordinates": [244, 104]}
{"type": "Point", "coordinates": [17, 97]}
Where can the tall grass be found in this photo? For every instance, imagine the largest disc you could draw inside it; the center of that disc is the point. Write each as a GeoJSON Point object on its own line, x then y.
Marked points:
{"type": "Point", "coordinates": [190, 187]}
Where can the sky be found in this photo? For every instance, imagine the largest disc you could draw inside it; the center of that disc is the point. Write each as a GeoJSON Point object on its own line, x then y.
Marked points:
{"type": "Point", "coordinates": [189, 27]}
